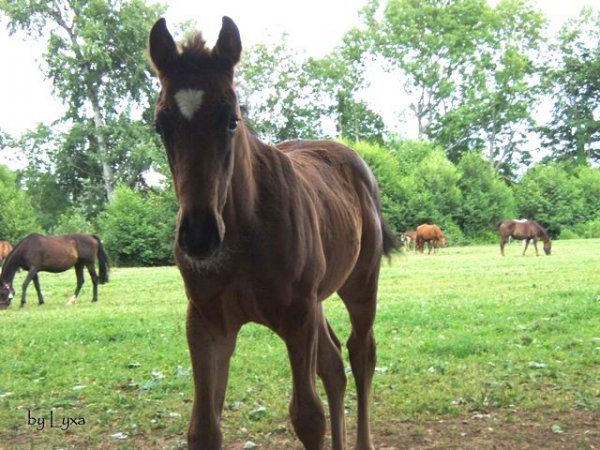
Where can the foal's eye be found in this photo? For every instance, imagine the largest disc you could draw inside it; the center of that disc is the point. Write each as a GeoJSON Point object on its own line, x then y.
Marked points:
{"type": "Point", "coordinates": [232, 124]}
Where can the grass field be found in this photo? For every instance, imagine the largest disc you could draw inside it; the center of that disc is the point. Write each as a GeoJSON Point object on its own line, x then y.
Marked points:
{"type": "Point", "coordinates": [462, 333]}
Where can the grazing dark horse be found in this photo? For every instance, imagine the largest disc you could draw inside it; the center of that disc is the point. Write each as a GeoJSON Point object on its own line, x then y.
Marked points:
{"type": "Point", "coordinates": [528, 230]}
{"type": "Point", "coordinates": [5, 249]}
{"type": "Point", "coordinates": [264, 234]}
{"type": "Point", "coordinates": [409, 238]}
{"type": "Point", "coordinates": [37, 253]}
{"type": "Point", "coordinates": [430, 234]}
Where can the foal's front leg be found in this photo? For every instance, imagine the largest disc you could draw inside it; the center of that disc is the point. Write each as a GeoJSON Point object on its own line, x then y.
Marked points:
{"type": "Point", "coordinates": [210, 349]}
{"type": "Point", "coordinates": [300, 333]}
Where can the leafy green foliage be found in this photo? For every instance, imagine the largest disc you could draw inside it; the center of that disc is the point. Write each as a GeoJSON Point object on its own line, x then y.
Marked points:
{"type": "Point", "coordinates": [138, 229]}
{"type": "Point", "coordinates": [17, 216]}
{"type": "Point", "coordinates": [551, 196]}
{"type": "Point", "coordinates": [469, 69]}
{"type": "Point", "coordinates": [574, 131]}
{"type": "Point", "coordinates": [486, 199]}
{"type": "Point", "coordinates": [97, 63]}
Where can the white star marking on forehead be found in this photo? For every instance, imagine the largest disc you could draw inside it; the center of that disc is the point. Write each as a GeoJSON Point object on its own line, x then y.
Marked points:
{"type": "Point", "coordinates": [189, 101]}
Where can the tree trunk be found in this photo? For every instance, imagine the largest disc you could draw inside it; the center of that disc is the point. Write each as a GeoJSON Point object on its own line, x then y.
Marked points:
{"type": "Point", "coordinates": [107, 173]}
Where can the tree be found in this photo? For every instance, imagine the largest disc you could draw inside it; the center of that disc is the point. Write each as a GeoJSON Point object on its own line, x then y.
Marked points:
{"type": "Point", "coordinates": [338, 78]}
{"type": "Point", "coordinates": [574, 130]}
{"type": "Point", "coordinates": [96, 61]}
{"type": "Point", "coordinates": [289, 96]}
{"type": "Point", "coordinates": [469, 71]}
{"type": "Point", "coordinates": [274, 89]}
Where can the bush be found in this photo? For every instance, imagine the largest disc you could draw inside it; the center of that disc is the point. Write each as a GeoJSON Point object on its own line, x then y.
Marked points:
{"type": "Point", "coordinates": [589, 229]}
{"type": "Point", "coordinates": [385, 168]}
{"type": "Point", "coordinates": [552, 196]}
{"type": "Point", "coordinates": [73, 221]}
{"type": "Point", "coordinates": [486, 198]}
{"type": "Point", "coordinates": [17, 216]}
{"type": "Point", "coordinates": [138, 229]}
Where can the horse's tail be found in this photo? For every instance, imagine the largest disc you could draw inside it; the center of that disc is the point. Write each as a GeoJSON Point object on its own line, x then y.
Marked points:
{"type": "Point", "coordinates": [389, 240]}
{"type": "Point", "coordinates": [102, 261]}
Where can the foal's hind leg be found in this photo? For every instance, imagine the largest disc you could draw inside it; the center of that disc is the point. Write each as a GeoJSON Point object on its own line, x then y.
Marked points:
{"type": "Point", "coordinates": [360, 295]}
{"type": "Point", "coordinates": [330, 368]}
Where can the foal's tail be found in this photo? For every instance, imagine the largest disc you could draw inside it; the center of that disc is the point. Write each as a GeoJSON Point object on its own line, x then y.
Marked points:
{"type": "Point", "coordinates": [102, 261]}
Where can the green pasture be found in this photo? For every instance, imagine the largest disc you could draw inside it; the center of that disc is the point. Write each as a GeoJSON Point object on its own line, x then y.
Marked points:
{"type": "Point", "coordinates": [460, 332]}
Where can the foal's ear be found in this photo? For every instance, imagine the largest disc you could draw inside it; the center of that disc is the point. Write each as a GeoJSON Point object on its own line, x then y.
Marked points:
{"type": "Point", "coordinates": [229, 45]}
{"type": "Point", "coordinates": [163, 50]}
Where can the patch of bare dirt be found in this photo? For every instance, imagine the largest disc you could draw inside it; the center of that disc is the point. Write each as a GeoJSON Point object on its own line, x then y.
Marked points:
{"type": "Point", "coordinates": [499, 430]}
{"type": "Point", "coordinates": [537, 430]}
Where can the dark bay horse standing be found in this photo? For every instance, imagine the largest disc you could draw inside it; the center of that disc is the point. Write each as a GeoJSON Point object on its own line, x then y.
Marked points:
{"type": "Point", "coordinates": [432, 234]}
{"type": "Point", "coordinates": [37, 253]}
{"type": "Point", "coordinates": [264, 234]}
{"type": "Point", "coordinates": [523, 229]}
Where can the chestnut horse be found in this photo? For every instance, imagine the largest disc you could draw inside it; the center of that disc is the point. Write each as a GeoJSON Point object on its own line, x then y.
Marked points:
{"type": "Point", "coordinates": [528, 230]}
{"type": "Point", "coordinates": [430, 234]}
{"type": "Point", "coordinates": [5, 249]}
{"type": "Point", "coordinates": [264, 234]}
{"type": "Point", "coordinates": [37, 253]}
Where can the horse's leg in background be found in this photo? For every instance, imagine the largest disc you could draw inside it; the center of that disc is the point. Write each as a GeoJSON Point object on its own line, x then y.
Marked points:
{"type": "Point", "coordinates": [80, 280]}
{"type": "Point", "coordinates": [38, 289]}
{"type": "Point", "coordinates": [535, 246]}
{"type": "Point", "coordinates": [31, 275]}
{"type": "Point", "coordinates": [503, 240]}
{"type": "Point", "coordinates": [429, 247]}
{"type": "Point", "coordinates": [210, 350]}
{"type": "Point", "coordinates": [330, 368]}
{"type": "Point", "coordinates": [94, 276]}
{"type": "Point", "coordinates": [526, 245]}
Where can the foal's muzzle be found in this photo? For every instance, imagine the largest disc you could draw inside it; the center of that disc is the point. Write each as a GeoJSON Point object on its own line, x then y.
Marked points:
{"type": "Point", "coordinates": [200, 238]}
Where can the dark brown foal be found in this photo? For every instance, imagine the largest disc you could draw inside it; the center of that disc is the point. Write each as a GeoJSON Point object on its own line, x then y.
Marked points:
{"type": "Point", "coordinates": [264, 234]}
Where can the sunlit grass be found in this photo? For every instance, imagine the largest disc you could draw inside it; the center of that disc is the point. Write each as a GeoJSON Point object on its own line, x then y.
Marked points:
{"type": "Point", "coordinates": [463, 331]}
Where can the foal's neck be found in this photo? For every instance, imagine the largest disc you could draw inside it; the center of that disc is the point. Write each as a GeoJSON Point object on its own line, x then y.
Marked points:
{"type": "Point", "coordinates": [242, 190]}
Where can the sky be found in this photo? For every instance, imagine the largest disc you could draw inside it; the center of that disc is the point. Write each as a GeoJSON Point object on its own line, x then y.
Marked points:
{"type": "Point", "coordinates": [312, 26]}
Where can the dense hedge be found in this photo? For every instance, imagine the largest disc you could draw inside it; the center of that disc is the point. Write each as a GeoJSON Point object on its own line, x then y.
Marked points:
{"type": "Point", "coordinates": [418, 184]}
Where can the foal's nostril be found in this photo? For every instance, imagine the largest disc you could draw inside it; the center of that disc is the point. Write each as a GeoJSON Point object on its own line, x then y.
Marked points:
{"type": "Point", "coordinates": [200, 239]}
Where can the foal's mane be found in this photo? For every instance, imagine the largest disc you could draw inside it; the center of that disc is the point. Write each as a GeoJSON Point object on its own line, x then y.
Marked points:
{"type": "Point", "coordinates": [194, 45]}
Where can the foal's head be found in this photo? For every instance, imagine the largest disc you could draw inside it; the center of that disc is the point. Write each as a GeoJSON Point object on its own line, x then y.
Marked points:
{"type": "Point", "coordinates": [196, 116]}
